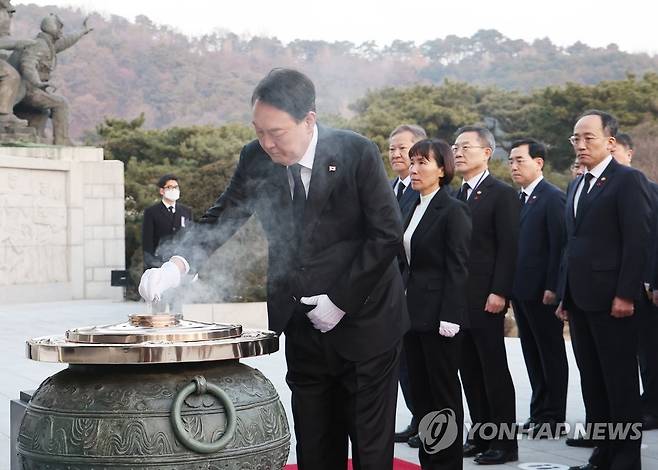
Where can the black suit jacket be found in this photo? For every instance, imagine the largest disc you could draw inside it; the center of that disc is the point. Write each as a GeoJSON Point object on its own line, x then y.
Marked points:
{"type": "Point", "coordinates": [158, 227]}
{"type": "Point", "coordinates": [651, 276]}
{"type": "Point", "coordinates": [494, 209]}
{"type": "Point", "coordinates": [436, 277]}
{"type": "Point", "coordinates": [607, 245]}
{"type": "Point", "coordinates": [408, 200]}
{"type": "Point", "coordinates": [352, 230]}
{"type": "Point", "coordinates": [542, 236]}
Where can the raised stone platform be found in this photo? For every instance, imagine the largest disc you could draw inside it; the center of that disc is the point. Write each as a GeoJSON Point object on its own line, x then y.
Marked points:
{"type": "Point", "coordinates": [61, 223]}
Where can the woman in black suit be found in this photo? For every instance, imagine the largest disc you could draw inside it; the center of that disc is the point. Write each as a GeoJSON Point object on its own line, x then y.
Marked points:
{"type": "Point", "coordinates": [436, 247]}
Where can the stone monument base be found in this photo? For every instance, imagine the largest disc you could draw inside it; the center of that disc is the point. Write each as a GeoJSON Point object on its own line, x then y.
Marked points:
{"type": "Point", "coordinates": [61, 223]}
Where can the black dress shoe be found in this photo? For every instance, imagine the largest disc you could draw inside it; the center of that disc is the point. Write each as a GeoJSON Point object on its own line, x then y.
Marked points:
{"type": "Point", "coordinates": [471, 450]}
{"type": "Point", "coordinates": [414, 441]}
{"type": "Point", "coordinates": [649, 422]}
{"type": "Point", "coordinates": [497, 457]}
{"type": "Point", "coordinates": [587, 466]}
{"type": "Point", "coordinates": [403, 436]}
{"type": "Point", "coordinates": [580, 441]}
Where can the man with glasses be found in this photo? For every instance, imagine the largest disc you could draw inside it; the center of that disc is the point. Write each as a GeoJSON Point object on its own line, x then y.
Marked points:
{"type": "Point", "coordinates": [608, 215]}
{"type": "Point", "coordinates": [162, 221]}
{"type": "Point", "coordinates": [485, 374]}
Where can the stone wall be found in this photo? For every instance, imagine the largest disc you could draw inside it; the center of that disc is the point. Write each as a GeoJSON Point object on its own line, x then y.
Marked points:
{"type": "Point", "coordinates": [61, 224]}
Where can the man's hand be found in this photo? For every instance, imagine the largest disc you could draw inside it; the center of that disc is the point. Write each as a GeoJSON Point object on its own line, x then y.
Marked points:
{"type": "Point", "coordinates": [549, 297]}
{"type": "Point", "coordinates": [157, 280]}
{"type": "Point", "coordinates": [325, 316]}
{"type": "Point", "coordinates": [561, 313]}
{"type": "Point", "coordinates": [495, 303]}
{"type": "Point", "coordinates": [622, 308]}
{"type": "Point", "coordinates": [448, 329]}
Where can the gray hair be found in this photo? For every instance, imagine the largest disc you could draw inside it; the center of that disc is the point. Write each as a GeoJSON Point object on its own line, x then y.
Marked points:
{"type": "Point", "coordinates": [417, 131]}
{"type": "Point", "coordinates": [484, 134]}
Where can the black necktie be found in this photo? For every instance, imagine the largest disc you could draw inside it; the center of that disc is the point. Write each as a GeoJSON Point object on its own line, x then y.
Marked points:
{"type": "Point", "coordinates": [400, 192]}
{"type": "Point", "coordinates": [522, 197]}
{"type": "Point", "coordinates": [584, 194]}
{"type": "Point", "coordinates": [463, 193]}
{"type": "Point", "coordinates": [298, 196]}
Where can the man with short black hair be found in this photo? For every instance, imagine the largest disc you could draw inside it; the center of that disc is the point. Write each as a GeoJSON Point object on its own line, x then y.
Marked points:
{"type": "Point", "coordinates": [162, 220]}
{"type": "Point", "coordinates": [333, 286]}
{"type": "Point", "coordinates": [608, 216]}
{"type": "Point", "coordinates": [541, 239]}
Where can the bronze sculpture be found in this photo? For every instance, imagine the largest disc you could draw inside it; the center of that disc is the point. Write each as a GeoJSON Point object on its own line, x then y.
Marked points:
{"type": "Point", "coordinates": [35, 63]}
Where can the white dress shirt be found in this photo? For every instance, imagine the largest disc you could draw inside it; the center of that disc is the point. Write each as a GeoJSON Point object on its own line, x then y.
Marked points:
{"type": "Point", "coordinates": [415, 220]}
{"type": "Point", "coordinates": [474, 182]}
{"type": "Point", "coordinates": [306, 164]}
{"type": "Point", "coordinates": [406, 182]}
{"type": "Point", "coordinates": [173, 211]}
{"type": "Point", "coordinates": [597, 171]}
{"type": "Point", "coordinates": [531, 187]}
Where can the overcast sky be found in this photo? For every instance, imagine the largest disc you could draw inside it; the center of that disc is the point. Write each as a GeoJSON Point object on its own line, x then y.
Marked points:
{"type": "Point", "coordinates": [630, 24]}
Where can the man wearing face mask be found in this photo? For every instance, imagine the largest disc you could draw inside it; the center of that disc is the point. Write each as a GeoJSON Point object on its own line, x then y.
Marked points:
{"type": "Point", "coordinates": [162, 221]}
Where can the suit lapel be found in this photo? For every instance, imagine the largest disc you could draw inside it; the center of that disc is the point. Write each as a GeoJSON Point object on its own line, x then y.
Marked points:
{"type": "Point", "coordinates": [533, 199]}
{"type": "Point", "coordinates": [326, 170]}
{"type": "Point", "coordinates": [599, 186]}
{"type": "Point", "coordinates": [429, 218]}
{"type": "Point", "coordinates": [480, 192]}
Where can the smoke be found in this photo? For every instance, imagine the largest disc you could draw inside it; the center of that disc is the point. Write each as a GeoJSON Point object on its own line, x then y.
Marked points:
{"type": "Point", "coordinates": [235, 272]}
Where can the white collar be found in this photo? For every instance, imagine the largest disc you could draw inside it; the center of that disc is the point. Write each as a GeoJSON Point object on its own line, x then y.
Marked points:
{"type": "Point", "coordinates": [531, 187]}
{"type": "Point", "coordinates": [598, 170]}
{"type": "Point", "coordinates": [425, 200]}
{"type": "Point", "coordinates": [406, 182]}
{"type": "Point", "coordinates": [309, 156]}
{"type": "Point", "coordinates": [169, 205]}
{"type": "Point", "coordinates": [476, 180]}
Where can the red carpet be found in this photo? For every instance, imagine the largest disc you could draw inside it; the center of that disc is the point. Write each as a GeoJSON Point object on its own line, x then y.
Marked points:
{"type": "Point", "coordinates": [397, 465]}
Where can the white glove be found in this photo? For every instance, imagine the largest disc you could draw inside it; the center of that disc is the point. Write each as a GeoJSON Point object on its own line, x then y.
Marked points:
{"type": "Point", "coordinates": [448, 329]}
{"type": "Point", "coordinates": [157, 280]}
{"type": "Point", "coordinates": [325, 316]}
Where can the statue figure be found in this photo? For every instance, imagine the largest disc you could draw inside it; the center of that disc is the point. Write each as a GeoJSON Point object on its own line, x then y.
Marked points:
{"type": "Point", "coordinates": [35, 63]}
{"type": "Point", "coordinates": [10, 80]}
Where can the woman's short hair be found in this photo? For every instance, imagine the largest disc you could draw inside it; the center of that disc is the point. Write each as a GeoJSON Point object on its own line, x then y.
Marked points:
{"type": "Point", "coordinates": [440, 152]}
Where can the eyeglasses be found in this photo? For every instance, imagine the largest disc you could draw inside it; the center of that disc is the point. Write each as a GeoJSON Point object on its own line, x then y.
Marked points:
{"type": "Point", "coordinates": [466, 148]}
{"type": "Point", "coordinates": [574, 140]}
{"type": "Point", "coordinates": [171, 187]}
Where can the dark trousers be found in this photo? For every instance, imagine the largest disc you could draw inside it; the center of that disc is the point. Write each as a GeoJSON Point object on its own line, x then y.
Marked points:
{"type": "Point", "coordinates": [542, 342]}
{"type": "Point", "coordinates": [488, 386]}
{"type": "Point", "coordinates": [647, 355]}
{"type": "Point", "coordinates": [433, 362]}
{"type": "Point", "coordinates": [334, 399]}
{"type": "Point", "coordinates": [606, 353]}
{"type": "Point", "coordinates": [406, 387]}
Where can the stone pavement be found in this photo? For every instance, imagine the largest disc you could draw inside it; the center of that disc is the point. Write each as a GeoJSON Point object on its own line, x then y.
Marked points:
{"type": "Point", "coordinates": [21, 321]}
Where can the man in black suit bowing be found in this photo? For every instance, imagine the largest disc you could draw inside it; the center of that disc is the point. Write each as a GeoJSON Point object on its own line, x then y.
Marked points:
{"type": "Point", "coordinates": [608, 215]}
{"type": "Point", "coordinates": [333, 229]}
{"type": "Point", "coordinates": [162, 221]}
{"type": "Point", "coordinates": [541, 240]}
{"type": "Point", "coordinates": [485, 374]}
{"type": "Point", "coordinates": [400, 141]}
